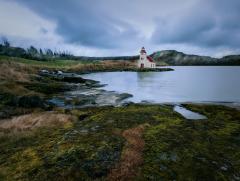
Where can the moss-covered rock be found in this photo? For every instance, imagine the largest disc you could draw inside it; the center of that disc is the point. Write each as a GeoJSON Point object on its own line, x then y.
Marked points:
{"type": "Point", "coordinates": [194, 150]}
{"type": "Point", "coordinates": [87, 149]}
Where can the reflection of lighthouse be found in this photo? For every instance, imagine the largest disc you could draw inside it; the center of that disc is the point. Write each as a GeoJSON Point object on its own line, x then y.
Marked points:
{"type": "Point", "coordinates": [143, 75]}
{"type": "Point", "coordinates": [145, 61]}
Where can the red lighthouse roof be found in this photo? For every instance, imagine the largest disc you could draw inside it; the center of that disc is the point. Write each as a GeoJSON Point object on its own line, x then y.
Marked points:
{"type": "Point", "coordinates": [143, 50]}
{"type": "Point", "coordinates": [150, 59]}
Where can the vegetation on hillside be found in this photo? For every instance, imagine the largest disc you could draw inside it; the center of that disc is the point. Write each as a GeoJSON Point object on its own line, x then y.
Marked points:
{"type": "Point", "coordinates": [32, 53]}
{"type": "Point", "coordinates": [47, 54]}
{"type": "Point", "coordinates": [173, 57]}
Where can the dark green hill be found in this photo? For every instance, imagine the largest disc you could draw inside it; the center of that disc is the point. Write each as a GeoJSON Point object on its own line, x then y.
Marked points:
{"type": "Point", "coordinates": [173, 57]}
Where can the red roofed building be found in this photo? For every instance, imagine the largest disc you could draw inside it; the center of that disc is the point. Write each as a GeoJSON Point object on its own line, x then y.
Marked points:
{"type": "Point", "coordinates": [145, 61]}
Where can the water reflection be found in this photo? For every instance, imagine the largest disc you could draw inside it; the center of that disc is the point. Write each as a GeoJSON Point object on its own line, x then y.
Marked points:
{"type": "Point", "coordinates": [142, 76]}
{"type": "Point", "coordinates": [189, 114]}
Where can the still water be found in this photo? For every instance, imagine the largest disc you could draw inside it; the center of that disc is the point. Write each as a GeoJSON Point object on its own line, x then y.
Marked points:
{"type": "Point", "coordinates": [185, 84]}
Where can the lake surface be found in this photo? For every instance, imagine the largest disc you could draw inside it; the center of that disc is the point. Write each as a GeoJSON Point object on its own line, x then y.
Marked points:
{"type": "Point", "coordinates": [185, 84]}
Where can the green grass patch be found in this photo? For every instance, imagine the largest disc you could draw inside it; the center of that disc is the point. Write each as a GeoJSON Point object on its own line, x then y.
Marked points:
{"type": "Point", "coordinates": [44, 64]}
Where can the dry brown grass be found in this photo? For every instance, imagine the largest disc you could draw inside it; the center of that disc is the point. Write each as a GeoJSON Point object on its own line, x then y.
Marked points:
{"type": "Point", "coordinates": [13, 71]}
{"type": "Point", "coordinates": [104, 65]}
{"type": "Point", "coordinates": [131, 157]}
{"type": "Point", "coordinates": [12, 75]}
{"type": "Point", "coordinates": [35, 120]}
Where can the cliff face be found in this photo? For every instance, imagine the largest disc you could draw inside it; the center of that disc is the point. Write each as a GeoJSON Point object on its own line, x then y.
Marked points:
{"type": "Point", "coordinates": [173, 57]}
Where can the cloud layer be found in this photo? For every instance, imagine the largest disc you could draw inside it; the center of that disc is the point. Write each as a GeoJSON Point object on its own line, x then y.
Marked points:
{"type": "Point", "coordinates": [112, 27]}
{"type": "Point", "coordinates": [207, 24]}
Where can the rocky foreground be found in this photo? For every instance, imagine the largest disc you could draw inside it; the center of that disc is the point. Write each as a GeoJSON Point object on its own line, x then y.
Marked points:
{"type": "Point", "coordinates": [134, 142]}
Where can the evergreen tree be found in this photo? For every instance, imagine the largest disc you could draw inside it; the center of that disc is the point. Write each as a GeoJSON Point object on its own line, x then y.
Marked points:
{"type": "Point", "coordinates": [49, 53]}
{"type": "Point", "coordinates": [5, 41]}
{"type": "Point", "coordinates": [32, 51]}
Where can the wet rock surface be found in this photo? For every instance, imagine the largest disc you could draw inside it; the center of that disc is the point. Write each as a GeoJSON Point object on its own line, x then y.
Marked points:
{"type": "Point", "coordinates": [87, 98]}
{"type": "Point", "coordinates": [82, 92]}
{"type": "Point", "coordinates": [66, 77]}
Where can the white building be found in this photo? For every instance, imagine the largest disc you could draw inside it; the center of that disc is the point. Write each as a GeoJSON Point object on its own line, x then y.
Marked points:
{"type": "Point", "coordinates": [145, 61]}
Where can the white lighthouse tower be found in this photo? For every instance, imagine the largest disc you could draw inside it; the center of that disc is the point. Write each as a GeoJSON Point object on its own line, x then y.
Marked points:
{"type": "Point", "coordinates": [145, 61]}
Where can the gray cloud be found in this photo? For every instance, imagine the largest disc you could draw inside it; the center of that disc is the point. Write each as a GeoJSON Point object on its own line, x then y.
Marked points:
{"type": "Point", "coordinates": [207, 24]}
{"type": "Point", "coordinates": [81, 22]}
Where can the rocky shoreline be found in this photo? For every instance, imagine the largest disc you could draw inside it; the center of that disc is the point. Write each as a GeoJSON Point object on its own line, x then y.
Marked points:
{"type": "Point", "coordinates": [128, 69]}
{"type": "Point", "coordinates": [82, 92]}
{"type": "Point", "coordinates": [69, 90]}
{"type": "Point", "coordinates": [64, 89]}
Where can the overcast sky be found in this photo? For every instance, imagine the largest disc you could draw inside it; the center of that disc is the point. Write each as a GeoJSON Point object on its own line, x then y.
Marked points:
{"type": "Point", "coordinates": [122, 27]}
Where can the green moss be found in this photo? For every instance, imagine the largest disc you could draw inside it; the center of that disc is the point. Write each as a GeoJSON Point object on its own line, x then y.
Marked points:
{"type": "Point", "coordinates": [12, 105]}
{"type": "Point", "coordinates": [42, 64]}
{"type": "Point", "coordinates": [194, 150]}
{"type": "Point", "coordinates": [88, 148]}
{"type": "Point", "coordinates": [47, 88]}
